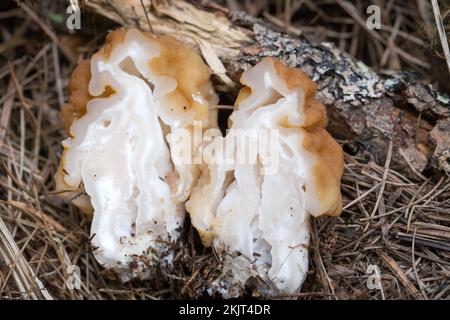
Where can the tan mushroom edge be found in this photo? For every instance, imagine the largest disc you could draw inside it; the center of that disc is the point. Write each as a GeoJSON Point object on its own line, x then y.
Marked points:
{"type": "Point", "coordinates": [329, 155]}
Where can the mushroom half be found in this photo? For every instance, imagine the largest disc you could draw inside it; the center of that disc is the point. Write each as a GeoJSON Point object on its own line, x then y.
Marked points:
{"type": "Point", "coordinates": [121, 162]}
{"type": "Point", "coordinates": [257, 215]}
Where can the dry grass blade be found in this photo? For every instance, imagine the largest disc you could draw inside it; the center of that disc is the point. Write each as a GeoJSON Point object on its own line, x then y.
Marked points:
{"type": "Point", "coordinates": [146, 15]}
{"type": "Point", "coordinates": [27, 283]}
{"type": "Point", "coordinates": [6, 111]}
{"type": "Point", "coordinates": [441, 30]}
{"type": "Point", "coordinates": [47, 220]}
{"type": "Point", "coordinates": [401, 275]}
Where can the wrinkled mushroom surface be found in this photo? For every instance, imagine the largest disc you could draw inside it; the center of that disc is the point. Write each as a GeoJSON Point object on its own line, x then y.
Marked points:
{"type": "Point", "coordinates": [260, 222]}
{"type": "Point", "coordinates": [120, 162]}
{"type": "Point", "coordinates": [124, 166]}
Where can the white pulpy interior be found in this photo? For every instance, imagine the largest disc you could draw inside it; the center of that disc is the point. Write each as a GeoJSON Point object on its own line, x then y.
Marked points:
{"type": "Point", "coordinates": [263, 217]}
{"type": "Point", "coordinates": [122, 152]}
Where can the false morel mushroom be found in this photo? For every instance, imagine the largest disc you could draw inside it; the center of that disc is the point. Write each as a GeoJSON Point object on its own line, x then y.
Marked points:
{"type": "Point", "coordinates": [125, 165]}
{"type": "Point", "coordinates": [259, 221]}
{"type": "Point", "coordinates": [121, 164]}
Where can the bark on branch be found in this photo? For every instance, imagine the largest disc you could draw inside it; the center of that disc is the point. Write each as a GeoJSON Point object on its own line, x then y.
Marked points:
{"type": "Point", "coordinates": [366, 109]}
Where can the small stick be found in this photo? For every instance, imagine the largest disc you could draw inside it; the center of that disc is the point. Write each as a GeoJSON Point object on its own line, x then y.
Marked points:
{"type": "Point", "coordinates": [6, 111]}
{"type": "Point", "coordinates": [385, 175]}
{"type": "Point", "coordinates": [146, 15]}
{"type": "Point", "coordinates": [441, 30]}
{"type": "Point", "coordinates": [401, 275]}
{"type": "Point", "coordinates": [46, 219]}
